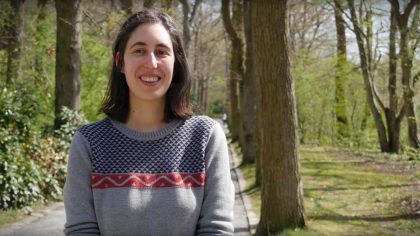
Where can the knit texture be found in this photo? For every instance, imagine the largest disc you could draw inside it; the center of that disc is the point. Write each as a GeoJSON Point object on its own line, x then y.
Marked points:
{"type": "Point", "coordinates": [176, 160]}
{"type": "Point", "coordinates": [174, 181]}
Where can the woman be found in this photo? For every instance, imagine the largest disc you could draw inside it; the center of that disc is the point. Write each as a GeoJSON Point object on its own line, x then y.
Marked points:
{"type": "Point", "coordinates": [150, 167]}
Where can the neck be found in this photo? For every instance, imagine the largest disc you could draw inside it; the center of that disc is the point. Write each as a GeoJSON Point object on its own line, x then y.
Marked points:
{"type": "Point", "coordinates": [146, 116]}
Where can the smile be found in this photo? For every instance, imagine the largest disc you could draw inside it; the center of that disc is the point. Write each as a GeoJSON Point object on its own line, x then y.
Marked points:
{"type": "Point", "coordinates": [150, 79]}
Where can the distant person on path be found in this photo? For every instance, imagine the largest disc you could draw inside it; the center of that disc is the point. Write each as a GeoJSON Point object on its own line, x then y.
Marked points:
{"type": "Point", "coordinates": [150, 167]}
{"type": "Point", "coordinates": [224, 118]}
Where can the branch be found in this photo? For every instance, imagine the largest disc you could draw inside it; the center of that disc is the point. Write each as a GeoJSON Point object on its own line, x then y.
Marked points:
{"type": "Point", "coordinates": [227, 22]}
{"type": "Point", "coordinates": [377, 98]}
{"type": "Point", "coordinates": [196, 4]}
{"type": "Point", "coordinates": [87, 14]}
{"type": "Point", "coordinates": [396, 5]}
{"type": "Point", "coordinates": [408, 10]}
{"type": "Point", "coordinates": [402, 19]}
{"type": "Point", "coordinates": [355, 23]}
{"type": "Point", "coordinates": [413, 28]}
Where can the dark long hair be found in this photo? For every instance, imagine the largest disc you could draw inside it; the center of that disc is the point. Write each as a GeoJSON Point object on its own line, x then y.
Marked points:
{"type": "Point", "coordinates": [116, 101]}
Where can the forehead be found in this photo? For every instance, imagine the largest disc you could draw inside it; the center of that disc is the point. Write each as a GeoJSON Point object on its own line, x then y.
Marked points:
{"type": "Point", "coordinates": [150, 34]}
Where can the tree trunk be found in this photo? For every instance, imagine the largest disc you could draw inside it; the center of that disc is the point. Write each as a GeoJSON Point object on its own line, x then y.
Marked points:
{"type": "Point", "coordinates": [236, 69]}
{"type": "Point", "coordinates": [281, 187]}
{"type": "Point", "coordinates": [248, 99]}
{"type": "Point", "coordinates": [340, 78]}
{"type": "Point", "coordinates": [40, 27]}
{"type": "Point", "coordinates": [406, 54]}
{"type": "Point", "coordinates": [391, 113]}
{"type": "Point", "coordinates": [68, 58]}
{"type": "Point", "coordinates": [15, 30]}
{"type": "Point", "coordinates": [369, 87]}
{"type": "Point", "coordinates": [188, 18]}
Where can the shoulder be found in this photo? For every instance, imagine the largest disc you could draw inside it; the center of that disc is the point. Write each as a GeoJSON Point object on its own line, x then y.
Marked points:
{"type": "Point", "coordinates": [201, 121]}
{"type": "Point", "coordinates": [95, 128]}
{"type": "Point", "coordinates": [92, 127]}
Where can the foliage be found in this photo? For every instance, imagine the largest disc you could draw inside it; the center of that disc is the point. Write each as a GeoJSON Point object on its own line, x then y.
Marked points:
{"type": "Point", "coordinates": [216, 108]}
{"type": "Point", "coordinates": [97, 59]}
{"type": "Point", "coordinates": [32, 167]}
{"type": "Point", "coordinates": [5, 19]}
{"type": "Point", "coordinates": [39, 64]}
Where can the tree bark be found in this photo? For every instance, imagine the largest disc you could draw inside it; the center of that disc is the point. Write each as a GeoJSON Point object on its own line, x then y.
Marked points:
{"type": "Point", "coordinates": [391, 113]}
{"type": "Point", "coordinates": [68, 57]}
{"type": "Point", "coordinates": [281, 187]}
{"type": "Point", "coordinates": [14, 49]}
{"type": "Point", "coordinates": [236, 70]}
{"type": "Point", "coordinates": [340, 77]}
{"type": "Point", "coordinates": [406, 54]}
{"type": "Point", "coordinates": [40, 26]}
{"type": "Point", "coordinates": [249, 148]}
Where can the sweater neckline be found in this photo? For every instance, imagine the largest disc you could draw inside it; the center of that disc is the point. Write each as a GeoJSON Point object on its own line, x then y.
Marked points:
{"type": "Point", "coordinates": [146, 136]}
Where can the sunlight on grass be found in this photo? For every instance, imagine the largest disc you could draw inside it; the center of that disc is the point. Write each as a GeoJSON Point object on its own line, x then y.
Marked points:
{"type": "Point", "coordinates": [10, 216]}
{"type": "Point", "coordinates": [343, 197]}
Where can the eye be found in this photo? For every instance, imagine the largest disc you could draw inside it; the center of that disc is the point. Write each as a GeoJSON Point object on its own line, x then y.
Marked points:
{"type": "Point", "coordinates": [139, 51]}
{"type": "Point", "coordinates": [161, 53]}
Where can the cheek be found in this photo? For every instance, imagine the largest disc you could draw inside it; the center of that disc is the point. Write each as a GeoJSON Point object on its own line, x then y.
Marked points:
{"type": "Point", "coordinates": [170, 67]}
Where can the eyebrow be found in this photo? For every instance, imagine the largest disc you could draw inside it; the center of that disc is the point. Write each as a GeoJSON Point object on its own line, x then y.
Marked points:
{"type": "Point", "coordinates": [143, 44]}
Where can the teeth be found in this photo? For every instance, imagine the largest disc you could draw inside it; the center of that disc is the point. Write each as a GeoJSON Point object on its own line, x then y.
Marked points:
{"type": "Point", "coordinates": [149, 79]}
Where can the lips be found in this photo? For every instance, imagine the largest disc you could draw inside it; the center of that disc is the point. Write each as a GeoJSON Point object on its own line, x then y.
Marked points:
{"type": "Point", "coordinates": [150, 79]}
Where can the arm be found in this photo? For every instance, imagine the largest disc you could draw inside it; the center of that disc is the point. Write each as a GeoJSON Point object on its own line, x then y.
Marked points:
{"type": "Point", "coordinates": [216, 217]}
{"type": "Point", "coordinates": [78, 197]}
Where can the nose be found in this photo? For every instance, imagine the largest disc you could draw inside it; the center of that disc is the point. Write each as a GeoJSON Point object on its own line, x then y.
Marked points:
{"type": "Point", "coordinates": [151, 60]}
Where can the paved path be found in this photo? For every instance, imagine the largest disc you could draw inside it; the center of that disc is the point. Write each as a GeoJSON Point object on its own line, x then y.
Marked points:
{"type": "Point", "coordinates": [51, 221]}
{"type": "Point", "coordinates": [240, 222]}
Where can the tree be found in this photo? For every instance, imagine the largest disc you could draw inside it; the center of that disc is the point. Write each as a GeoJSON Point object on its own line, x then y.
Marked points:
{"type": "Point", "coordinates": [249, 149]}
{"type": "Point", "coordinates": [68, 57]}
{"type": "Point", "coordinates": [389, 134]}
{"type": "Point", "coordinates": [340, 77]}
{"type": "Point", "coordinates": [14, 49]}
{"type": "Point", "coordinates": [236, 69]}
{"type": "Point", "coordinates": [281, 186]}
{"type": "Point", "coordinates": [407, 34]}
{"type": "Point", "coordinates": [188, 17]}
{"type": "Point", "coordinates": [41, 5]}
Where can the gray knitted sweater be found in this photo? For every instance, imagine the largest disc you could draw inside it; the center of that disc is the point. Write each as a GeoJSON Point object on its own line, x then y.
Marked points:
{"type": "Point", "coordinates": [174, 181]}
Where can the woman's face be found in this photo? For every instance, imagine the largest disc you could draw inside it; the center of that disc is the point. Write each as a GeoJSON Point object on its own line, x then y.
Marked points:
{"type": "Point", "coordinates": [148, 63]}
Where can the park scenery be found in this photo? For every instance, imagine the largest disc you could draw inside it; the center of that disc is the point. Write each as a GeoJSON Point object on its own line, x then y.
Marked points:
{"type": "Point", "coordinates": [320, 101]}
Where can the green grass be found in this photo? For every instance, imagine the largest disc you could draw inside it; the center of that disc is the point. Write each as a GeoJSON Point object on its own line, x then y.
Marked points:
{"type": "Point", "coordinates": [10, 216]}
{"type": "Point", "coordinates": [13, 215]}
{"type": "Point", "coordinates": [346, 198]}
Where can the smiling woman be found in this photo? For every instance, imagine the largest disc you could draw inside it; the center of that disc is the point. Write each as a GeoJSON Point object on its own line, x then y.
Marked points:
{"type": "Point", "coordinates": [151, 167]}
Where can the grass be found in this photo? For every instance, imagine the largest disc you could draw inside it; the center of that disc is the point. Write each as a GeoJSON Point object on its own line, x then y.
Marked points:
{"type": "Point", "coordinates": [10, 216]}
{"type": "Point", "coordinates": [344, 197]}
{"type": "Point", "coordinates": [14, 215]}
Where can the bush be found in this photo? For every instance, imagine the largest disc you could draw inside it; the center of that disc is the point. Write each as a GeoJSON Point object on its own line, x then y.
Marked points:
{"type": "Point", "coordinates": [32, 167]}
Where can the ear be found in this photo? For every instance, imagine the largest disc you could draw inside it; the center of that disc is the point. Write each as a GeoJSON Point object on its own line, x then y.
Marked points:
{"type": "Point", "coordinates": [119, 62]}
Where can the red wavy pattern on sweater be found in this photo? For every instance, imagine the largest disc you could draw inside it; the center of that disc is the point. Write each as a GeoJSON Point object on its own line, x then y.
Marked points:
{"type": "Point", "coordinates": [167, 180]}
